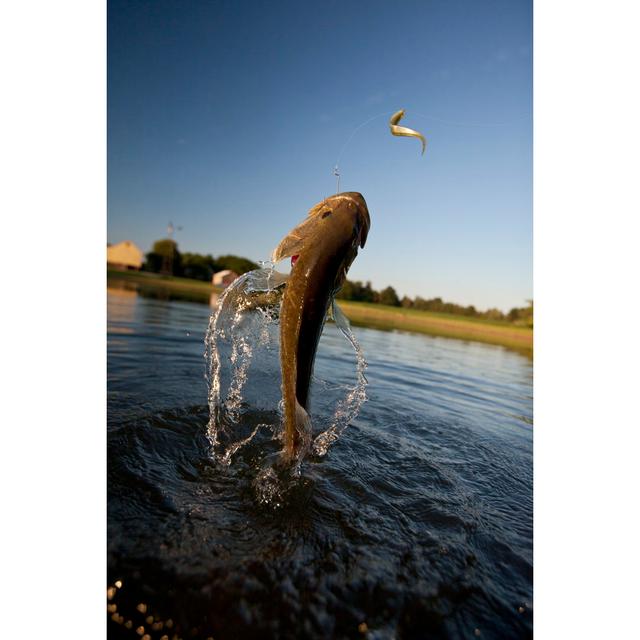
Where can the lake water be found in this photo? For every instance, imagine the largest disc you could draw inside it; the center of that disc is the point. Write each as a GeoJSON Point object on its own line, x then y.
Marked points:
{"type": "Point", "coordinates": [416, 524]}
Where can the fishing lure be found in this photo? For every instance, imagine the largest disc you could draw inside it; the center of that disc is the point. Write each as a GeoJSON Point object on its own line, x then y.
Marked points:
{"type": "Point", "coordinates": [397, 130]}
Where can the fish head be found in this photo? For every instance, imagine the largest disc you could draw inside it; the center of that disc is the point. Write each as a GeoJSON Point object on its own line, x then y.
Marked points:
{"type": "Point", "coordinates": [351, 208]}
{"type": "Point", "coordinates": [355, 205]}
{"type": "Point", "coordinates": [341, 221]}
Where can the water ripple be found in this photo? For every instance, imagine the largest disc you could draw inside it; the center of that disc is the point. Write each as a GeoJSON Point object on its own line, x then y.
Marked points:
{"type": "Point", "coordinates": [418, 523]}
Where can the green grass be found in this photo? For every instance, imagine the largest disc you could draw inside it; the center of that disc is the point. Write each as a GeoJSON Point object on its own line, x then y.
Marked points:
{"type": "Point", "coordinates": [439, 324]}
{"type": "Point", "coordinates": [154, 285]}
{"type": "Point", "coordinates": [363, 313]}
{"type": "Point", "coordinates": [167, 282]}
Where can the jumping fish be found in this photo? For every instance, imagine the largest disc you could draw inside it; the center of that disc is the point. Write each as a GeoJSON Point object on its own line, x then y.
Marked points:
{"type": "Point", "coordinates": [322, 249]}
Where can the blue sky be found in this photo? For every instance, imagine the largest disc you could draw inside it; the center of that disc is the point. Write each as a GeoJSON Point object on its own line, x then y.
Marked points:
{"type": "Point", "coordinates": [228, 117]}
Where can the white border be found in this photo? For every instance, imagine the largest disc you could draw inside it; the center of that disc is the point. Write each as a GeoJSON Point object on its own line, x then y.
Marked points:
{"type": "Point", "coordinates": [586, 179]}
{"type": "Point", "coordinates": [53, 449]}
{"type": "Point", "coordinates": [52, 462]}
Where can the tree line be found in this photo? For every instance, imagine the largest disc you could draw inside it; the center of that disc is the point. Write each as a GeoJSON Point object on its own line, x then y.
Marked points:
{"type": "Point", "coordinates": [365, 293]}
{"type": "Point", "coordinates": [166, 258]}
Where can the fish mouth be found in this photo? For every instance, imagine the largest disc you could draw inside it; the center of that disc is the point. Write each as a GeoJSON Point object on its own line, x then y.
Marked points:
{"type": "Point", "coordinates": [363, 211]}
{"type": "Point", "coordinates": [361, 207]}
{"type": "Point", "coordinates": [354, 196]}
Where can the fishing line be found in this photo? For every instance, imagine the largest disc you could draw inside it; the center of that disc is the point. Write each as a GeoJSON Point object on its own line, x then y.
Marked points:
{"type": "Point", "coordinates": [336, 168]}
{"type": "Point", "coordinates": [353, 133]}
{"type": "Point", "coordinates": [452, 123]}
{"type": "Point", "coordinates": [471, 124]}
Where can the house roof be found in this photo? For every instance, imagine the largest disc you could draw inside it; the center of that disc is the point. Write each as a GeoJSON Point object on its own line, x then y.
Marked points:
{"type": "Point", "coordinates": [125, 252]}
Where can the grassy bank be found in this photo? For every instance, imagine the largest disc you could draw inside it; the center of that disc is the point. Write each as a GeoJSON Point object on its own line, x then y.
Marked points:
{"type": "Point", "coordinates": [152, 285]}
{"type": "Point", "coordinates": [170, 283]}
{"type": "Point", "coordinates": [439, 324]}
{"type": "Point", "coordinates": [359, 313]}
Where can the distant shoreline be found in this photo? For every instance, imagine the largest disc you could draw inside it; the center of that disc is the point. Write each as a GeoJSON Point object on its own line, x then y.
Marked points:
{"type": "Point", "coordinates": [444, 325]}
{"type": "Point", "coordinates": [172, 283]}
{"type": "Point", "coordinates": [364, 314]}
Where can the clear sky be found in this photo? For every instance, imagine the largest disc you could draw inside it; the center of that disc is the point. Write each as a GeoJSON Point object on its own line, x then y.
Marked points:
{"type": "Point", "coordinates": [227, 117]}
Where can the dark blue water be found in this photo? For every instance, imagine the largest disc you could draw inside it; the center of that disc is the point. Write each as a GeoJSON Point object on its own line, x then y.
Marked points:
{"type": "Point", "coordinates": [417, 523]}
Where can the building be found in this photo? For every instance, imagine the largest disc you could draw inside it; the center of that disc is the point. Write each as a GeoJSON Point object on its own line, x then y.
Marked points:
{"type": "Point", "coordinates": [224, 278]}
{"type": "Point", "coordinates": [124, 256]}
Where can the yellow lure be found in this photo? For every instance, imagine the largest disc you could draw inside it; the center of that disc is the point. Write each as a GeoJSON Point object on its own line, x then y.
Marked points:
{"type": "Point", "coordinates": [396, 130]}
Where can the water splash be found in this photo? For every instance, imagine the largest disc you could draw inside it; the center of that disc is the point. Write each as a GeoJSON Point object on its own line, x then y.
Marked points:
{"type": "Point", "coordinates": [242, 328]}
{"type": "Point", "coordinates": [348, 408]}
{"type": "Point", "coordinates": [243, 372]}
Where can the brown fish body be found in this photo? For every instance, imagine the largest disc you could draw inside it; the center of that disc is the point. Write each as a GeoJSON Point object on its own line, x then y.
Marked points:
{"type": "Point", "coordinates": [326, 244]}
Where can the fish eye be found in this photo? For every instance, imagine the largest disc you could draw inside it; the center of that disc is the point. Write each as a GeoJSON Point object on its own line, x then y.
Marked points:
{"type": "Point", "coordinates": [326, 213]}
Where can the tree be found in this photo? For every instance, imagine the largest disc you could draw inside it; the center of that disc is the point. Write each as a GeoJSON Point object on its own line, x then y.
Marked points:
{"type": "Point", "coordinates": [235, 263]}
{"type": "Point", "coordinates": [522, 315]}
{"type": "Point", "coordinates": [420, 303]}
{"type": "Point", "coordinates": [153, 262]}
{"type": "Point", "coordinates": [389, 297]}
{"type": "Point", "coordinates": [493, 314]}
{"type": "Point", "coordinates": [514, 314]}
{"type": "Point", "coordinates": [199, 267]}
{"type": "Point", "coordinates": [367, 293]}
{"type": "Point", "coordinates": [164, 257]}
{"type": "Point", "coordinates": [357, 291]}
{"type": "Point", "coordinates": [348, 291]}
